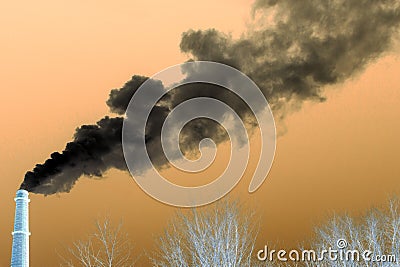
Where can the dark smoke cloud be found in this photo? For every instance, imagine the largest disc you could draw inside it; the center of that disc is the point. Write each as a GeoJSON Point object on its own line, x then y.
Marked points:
{"type": "Point", "coordinates": [95, 149]}
{"type": "Point", "coordinates": [309, 44]}
{"type": "Point", "coordinates": [293, 50]}
{"type": "Point", "coordinates": [119, 98]}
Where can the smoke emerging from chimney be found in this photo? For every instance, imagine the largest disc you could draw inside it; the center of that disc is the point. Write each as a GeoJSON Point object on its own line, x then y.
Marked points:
{"type": "Point", "coordinates": [293, 49]}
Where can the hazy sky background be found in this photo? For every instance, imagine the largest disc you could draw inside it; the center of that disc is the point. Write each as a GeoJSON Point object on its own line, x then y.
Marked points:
{"type": "Point", "coordinates": [59, 60]}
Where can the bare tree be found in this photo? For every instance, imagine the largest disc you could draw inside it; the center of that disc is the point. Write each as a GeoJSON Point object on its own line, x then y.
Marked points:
{"type": "Point", "coordinates": [107, 247]}
{"type": "Point", "coordinates": [222, 235]}
{"type": "Point", "coordinates": [378, 232]}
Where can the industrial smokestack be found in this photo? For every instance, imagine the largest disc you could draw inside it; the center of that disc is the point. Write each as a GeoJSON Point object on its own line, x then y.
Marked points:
{"type": "Point", "coordinates": [20, 247]}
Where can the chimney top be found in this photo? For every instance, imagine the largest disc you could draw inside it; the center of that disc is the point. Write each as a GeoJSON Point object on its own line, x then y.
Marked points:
{"type": "Point", "coordinates": [22, 193]}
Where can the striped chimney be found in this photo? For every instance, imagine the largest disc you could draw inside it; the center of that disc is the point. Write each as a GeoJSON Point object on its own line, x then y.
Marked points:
{"type": "Point", "coordinates": [20, 247]}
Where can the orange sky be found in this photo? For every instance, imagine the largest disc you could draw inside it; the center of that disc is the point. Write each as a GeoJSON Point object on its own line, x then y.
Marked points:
{"type": "Point", "coordinates": [59, 61]}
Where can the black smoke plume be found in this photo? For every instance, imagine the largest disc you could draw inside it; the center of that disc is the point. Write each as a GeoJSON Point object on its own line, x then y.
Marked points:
{"type": "Point", "coordinates": [292, 51]}
{"type": "Point", "coordinates": [298, 47]}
